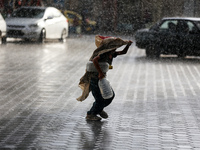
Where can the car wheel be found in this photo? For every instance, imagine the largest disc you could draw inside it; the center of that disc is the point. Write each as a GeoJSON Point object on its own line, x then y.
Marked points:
{"type": "Point", "coordinates": [153, 52]}
{"type": "Point", "coordinates": [42, 36]}
{"type": "Point", "coordinates": [181, 55]}
{"type": "Point", "coordinates": [4, 39]}
{"type": "Point", "coordinates": [27, 40]}
{"type": "Point", "coordinates": [1, 38]}
{"type": "Point", "coordinates": [63, 36]}
{"type": "Point", "coordinates": [149, 52]}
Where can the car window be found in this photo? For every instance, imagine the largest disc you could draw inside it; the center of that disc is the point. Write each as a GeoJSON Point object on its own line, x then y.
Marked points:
{"type": "Point", "coordinates": [191, 26]}
{"type": "Point", "coordinates": [198, 24]}
{"type": "Point", "coordinates": [28, 13]}
{"type": "Point", "coordinates": [182, 26]}
{"type": "Point", "coordinates": [166, 24]}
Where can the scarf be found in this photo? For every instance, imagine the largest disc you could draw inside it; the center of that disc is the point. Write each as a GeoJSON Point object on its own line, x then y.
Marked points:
{"type": "Point", "coordinates": [104, 45]}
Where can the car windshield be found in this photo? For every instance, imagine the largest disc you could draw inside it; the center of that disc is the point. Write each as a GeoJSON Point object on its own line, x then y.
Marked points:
{"type": "Point", "coordinates": [198, 24]}
{"type": "Point", "coordinates": [29, 13]}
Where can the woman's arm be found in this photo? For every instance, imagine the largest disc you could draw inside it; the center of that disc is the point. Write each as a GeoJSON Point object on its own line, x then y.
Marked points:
{"type": "Point", "coordinates": [125, 50]}
{"type": "Point", "coordinates": [96, 64]}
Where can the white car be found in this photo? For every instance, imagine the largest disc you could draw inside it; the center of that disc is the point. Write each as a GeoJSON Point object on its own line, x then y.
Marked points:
{"type": "Point", "coordinates": [2, 30]}
{"type": "Point", "coordinates": [38, 23]}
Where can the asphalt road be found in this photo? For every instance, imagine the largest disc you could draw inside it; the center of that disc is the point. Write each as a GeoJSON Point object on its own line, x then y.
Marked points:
{"type": "Point", "coordinates": [157, 102]}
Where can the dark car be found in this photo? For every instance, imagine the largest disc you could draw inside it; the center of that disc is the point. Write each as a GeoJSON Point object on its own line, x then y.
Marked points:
{"type": "Point", "coordinates": [171, 36]}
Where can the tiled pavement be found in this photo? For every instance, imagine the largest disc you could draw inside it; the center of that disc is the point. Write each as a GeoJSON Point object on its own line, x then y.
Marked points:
{"type": "Point", "coordinates": [157, 103]}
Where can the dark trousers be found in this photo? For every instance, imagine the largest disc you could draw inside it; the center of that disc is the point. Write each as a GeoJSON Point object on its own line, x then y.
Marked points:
{"type": "Point", "coordinates": [100, 102]}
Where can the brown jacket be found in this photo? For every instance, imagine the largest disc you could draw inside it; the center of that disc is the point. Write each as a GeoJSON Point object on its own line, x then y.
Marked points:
{"type": "Point", "coordinates": [105, 46]}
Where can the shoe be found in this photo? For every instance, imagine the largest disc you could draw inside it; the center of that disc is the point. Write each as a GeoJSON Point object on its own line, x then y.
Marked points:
{"type": "Point", "coordinates": [103, 114]}
{"type": "Point", "coordinates": [92, 118]}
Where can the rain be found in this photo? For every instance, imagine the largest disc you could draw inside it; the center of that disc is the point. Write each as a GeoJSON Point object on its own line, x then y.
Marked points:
{"type": "Point", "coordinates": [151, 53]}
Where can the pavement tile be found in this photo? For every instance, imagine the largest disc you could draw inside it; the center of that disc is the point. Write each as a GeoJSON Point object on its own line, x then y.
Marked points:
{"type": "Point", "coordinates": [157, 105]}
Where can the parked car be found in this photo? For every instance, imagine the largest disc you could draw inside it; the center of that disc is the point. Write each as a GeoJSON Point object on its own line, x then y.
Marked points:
{"type": "Point", "coordinates": [178, 36]}
{"type": "Point", "coordinates": [2, 30]}
{"type": "Point", "coordinates": [37, 23]}
{"type": "Point", "coordinates": [71, 15]}
{"type": "Point", "coordinates": [87, 24]}
{"type": "Point", "coordinates": [72, 18]}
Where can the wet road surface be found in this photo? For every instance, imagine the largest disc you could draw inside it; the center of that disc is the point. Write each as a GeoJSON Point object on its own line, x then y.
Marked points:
{"type": "Point", "coordinates": [157, 102]}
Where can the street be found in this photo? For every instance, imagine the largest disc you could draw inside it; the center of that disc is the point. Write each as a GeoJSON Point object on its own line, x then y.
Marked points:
{"type": "Point", "coordinates": [156, 107]}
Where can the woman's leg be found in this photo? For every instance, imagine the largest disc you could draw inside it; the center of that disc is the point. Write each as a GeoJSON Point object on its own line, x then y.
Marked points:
{"type": "Point", "coordinates": [99, 103]}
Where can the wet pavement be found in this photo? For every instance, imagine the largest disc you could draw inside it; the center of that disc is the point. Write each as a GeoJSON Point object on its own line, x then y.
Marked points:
{"type": "Point", "coordinates": [156, 107]}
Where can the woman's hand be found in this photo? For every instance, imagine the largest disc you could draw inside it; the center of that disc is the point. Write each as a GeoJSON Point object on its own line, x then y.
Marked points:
{"type": "Point", "coordinates": [101, 76]}
{"type": "Point", "coordinates": [124, 51]}
{"type": "Point", "coordinates": [129, 43]}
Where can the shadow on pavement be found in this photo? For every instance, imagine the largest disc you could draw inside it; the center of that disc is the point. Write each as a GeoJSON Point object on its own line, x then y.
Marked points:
{"type": "Point", "coordinates": [95, 134]}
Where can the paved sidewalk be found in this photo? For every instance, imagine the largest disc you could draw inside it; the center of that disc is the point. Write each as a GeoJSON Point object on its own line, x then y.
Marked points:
{"type": "Point", "coordinates": [157, 103]}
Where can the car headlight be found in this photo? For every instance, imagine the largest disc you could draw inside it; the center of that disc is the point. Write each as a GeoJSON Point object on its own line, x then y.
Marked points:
{"type": "Point", "coordinates": [33, 26]}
